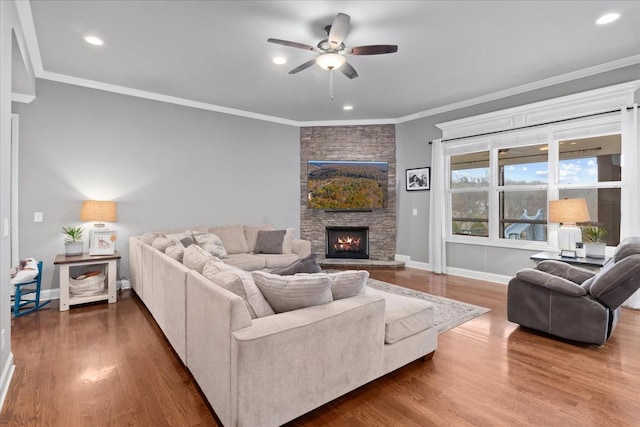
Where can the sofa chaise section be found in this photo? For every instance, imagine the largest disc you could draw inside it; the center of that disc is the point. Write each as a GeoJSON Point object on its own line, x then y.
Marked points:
{"type": "Point", "coordinates": [270, 370]}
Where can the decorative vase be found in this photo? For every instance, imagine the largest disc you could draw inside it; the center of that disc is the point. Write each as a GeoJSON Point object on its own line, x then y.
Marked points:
{"type": "Point", "coordinates": [595, 250]}
{"type": "Point", "coordinates": [73, 248]}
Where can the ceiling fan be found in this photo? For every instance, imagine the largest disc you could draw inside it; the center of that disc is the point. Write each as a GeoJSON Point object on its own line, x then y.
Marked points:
{"type": "Point", "coordinates": [332, 50]}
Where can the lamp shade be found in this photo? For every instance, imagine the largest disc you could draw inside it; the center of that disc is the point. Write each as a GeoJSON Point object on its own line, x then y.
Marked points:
{"type": "Point", "coordinates": [98, 210]}
{"type": "Point", "coordinates": [568, 211]}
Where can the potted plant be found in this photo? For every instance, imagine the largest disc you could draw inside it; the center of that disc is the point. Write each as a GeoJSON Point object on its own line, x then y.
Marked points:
{"type": "Point", "coordinates": [73, 244]}
{"type": "Point", "coordinates": [593, 237]}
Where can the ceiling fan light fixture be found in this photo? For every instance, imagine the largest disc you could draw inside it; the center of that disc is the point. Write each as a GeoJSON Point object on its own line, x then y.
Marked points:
{"type": "Point", "coordinates": [279, 60]}
{"type": "Point", "coordinates": [330, 61]}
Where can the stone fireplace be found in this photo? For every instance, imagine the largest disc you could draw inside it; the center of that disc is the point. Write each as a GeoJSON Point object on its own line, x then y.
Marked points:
{"type": "Point", "coordinates": [359, 143]}
{"type": "Point", "coordinates": [347, 242]}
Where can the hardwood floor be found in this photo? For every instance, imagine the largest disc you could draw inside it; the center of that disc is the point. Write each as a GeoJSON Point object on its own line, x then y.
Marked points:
{"type": "Point", "coordinates": [110, 365]}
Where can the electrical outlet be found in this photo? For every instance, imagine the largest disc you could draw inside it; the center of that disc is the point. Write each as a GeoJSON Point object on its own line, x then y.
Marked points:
{"type": "Point", "coordinates": [415, 212]}
{"type": "Point", "coordinates": [38, 217]}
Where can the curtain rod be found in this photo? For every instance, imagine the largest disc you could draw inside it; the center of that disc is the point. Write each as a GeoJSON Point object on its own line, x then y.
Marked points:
{"type": "Point", "coordinates": [533, 126]}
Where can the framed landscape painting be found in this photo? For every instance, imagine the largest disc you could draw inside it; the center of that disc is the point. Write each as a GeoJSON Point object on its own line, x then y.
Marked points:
{"type": "Point", "coordinates": [418, 179]}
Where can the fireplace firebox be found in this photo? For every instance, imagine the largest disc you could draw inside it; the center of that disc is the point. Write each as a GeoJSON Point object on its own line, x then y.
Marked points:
{"type": "Point", "coordinates": [347, 242]}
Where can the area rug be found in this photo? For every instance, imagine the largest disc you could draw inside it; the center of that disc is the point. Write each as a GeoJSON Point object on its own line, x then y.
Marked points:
{"type": "Point", "coordinates": [448, 313]}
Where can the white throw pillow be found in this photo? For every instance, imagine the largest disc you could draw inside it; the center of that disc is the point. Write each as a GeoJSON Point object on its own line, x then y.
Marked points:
{"type": "Point", "coordinates": [162, 242]}
{"type": "Point", "coordinates": [287, 293]}
{"type": "Point", "coordinates": [345, 284]}
{"type": "Point", "coordinates": [195, 258]}
{"type": "Point", "coordinates": [288, 242]}
{"type": "Point", "coordinates": [175, 250]}
{"type": "Point", "coordinates": [210, 243]}
{"type": "Point", "coordinates": [240, 283]}
{"type": "Point", "coordinates": [24, 272]}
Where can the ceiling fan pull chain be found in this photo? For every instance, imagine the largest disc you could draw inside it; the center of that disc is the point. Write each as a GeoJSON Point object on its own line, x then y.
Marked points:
{"type": "Point", "coordinates": [331, 83]}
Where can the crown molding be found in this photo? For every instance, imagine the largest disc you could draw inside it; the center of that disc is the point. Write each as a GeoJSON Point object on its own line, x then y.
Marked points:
{"type": "Point", "coordinates": [540, 84]}
{"type": "Point", "coordinates": [26, 19]}
{"type": "Point", "coordinates": [566, 107]}
{"type": "Point", "coordinates": [22, 98]}
{"type": "Point", "coordinates": [92, 84]}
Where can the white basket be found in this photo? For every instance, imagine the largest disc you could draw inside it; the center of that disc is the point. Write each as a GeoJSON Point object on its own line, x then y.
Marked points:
{"type": "Point", "coordinates": [88, 286]}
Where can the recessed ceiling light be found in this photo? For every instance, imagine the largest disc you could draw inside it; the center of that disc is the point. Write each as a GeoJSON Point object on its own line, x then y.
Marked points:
{"type": "Point", "coordinates": [608, 18]}
{"type": "Point", "coordinates": [94, 40]}
{"type": "Point", "coordinates": [347, 107]}
{"type": "Point", "coordinates": [279, 60]}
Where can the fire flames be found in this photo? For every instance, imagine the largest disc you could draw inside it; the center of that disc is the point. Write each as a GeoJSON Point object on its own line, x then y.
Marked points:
{"type": "Point", "coordinates": [347, 244]}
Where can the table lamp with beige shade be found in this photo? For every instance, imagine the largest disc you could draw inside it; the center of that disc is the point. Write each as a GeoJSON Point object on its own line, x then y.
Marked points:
{"type": "Point", "coordinates": [568, 212]}
{"type": "Point", "coordinates": [98, 211]}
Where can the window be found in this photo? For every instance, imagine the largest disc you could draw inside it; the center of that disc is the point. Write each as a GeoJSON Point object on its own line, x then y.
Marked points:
{"type": "Point", "coordinates": [502, 193]}
{"type": "Point", "coordinates": [591, 168]}
{"type": "Point", "coordinates": [470, 197]}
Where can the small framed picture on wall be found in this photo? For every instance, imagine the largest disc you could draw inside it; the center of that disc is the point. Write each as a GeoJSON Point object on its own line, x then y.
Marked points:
{"type": "Point", "coordinates": [418, 179]}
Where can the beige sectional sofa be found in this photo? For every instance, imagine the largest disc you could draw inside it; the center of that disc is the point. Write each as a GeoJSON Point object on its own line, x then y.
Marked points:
{"type": "Point", "coordinates": [265, 371]}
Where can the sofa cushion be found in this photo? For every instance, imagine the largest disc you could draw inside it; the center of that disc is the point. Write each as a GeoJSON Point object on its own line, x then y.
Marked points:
{"type": "Point", "coordinates": [233, 238]}
{"type": "Point", "coordinates": [210, 243]}
{"type": "Point", "coordinates": [345, 284]}
{"type": "Point", "coordinates": [287, 242]}
{"type": "Point", "coordinates": [287, 293]}
{"type": "Point", "coordinates": [251, 234]}
{"type": "Point", "coordinates": [247, 262]}
{"type": "Point", "coordinates": [175, 251]}
{"type": "Point", "coordinates": [161, 242]}
{"type": "Point", "coordinates": [25, 272]}
{"type": "Point", "coordinates": [195, 258]}
{"type": "Point", "coordinates": [269, 242]}
{"type": "Point", "coordinates": [179, 236]}
{"type": "Point", "coordinates": [404, 316]}
{"type": "Point", "coordinates": [240, 283]}
{"type": "Point", "coordinates": [148, 238]}
{"type": "Point", "coordinates": [308, 264]}
{"type": "Point", "coordinates": [272, 261]}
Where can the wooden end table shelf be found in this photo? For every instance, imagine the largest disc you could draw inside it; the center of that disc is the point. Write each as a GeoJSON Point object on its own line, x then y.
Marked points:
{"type": "Point", "coordinates": [65, 262]}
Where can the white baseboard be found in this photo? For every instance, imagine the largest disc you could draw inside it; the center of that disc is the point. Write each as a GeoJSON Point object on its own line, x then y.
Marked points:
{"type": "Point", "coordinates": [5, 379]}
{"type": "Point", "coordinates": [413, 264]}
{"type": "Point", "coordinates": [49, 294]}
{"type": "Point", "coordinates": [472, 274]}
{"type": "Point", "coordinates": [480, 275]}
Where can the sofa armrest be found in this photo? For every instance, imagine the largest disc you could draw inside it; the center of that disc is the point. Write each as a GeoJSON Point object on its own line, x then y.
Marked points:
{"type": "Point", "coordinates": [213, 313]}
{"type": "Point", "coordinates": [290, 363]}
{"type": "Point", "coordinates": [546, 280]}
{"type": "Point", "coordinates": [566, 271]}
{"type": "Point", "coordinates": [300, 247]}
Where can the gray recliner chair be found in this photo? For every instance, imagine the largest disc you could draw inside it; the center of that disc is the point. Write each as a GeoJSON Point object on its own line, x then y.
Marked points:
{"type": "Point", "coordinates": [572, 302]}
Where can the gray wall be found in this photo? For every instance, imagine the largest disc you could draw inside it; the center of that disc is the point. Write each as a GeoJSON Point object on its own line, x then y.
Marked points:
{"type": "Point", "coordinates": [167, 166]}
{"type": "Point", "coordinates": [413, 151]}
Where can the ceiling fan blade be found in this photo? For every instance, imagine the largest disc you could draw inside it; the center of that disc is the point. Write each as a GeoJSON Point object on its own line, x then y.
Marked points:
{"type": "Point", "coordinates": [348, 70]}
{"type": "Point", "coordinates": [292, 44]}
{"type": "Point", "coordinates": [377, 49]}
{"type": "Point", "coordinates": [304, 66]}
{"type": "Point", "coordinates": [338, 30]}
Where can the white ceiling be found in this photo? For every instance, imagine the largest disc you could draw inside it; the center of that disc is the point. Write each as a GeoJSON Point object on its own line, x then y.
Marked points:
{"type": "Point", "coordinates": [214, 54]}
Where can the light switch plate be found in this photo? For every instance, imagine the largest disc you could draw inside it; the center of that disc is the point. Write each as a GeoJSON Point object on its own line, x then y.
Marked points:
{"type": "Point", "coordinates": [5, 227]}
{"type": "Point", "coordinates": [38, 217]}
{"type": "Point", "coordinates": [415, 212]}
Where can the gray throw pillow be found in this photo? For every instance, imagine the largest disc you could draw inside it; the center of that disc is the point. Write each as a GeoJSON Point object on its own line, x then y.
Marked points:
{"type": "Point", "coordinates": [269, 241]}
{"type": "Point", "coordinates": [287, 293]}
{"type": "Point", "coordinates": [186, 242]}
{"type": "Point", "coordinates": [308, 264]}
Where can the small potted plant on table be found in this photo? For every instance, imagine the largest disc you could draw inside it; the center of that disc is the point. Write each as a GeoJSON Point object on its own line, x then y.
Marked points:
{"type": "Point", "coordinates": [73, 244]}
{"type": "Point", "coordinates": [593, 237]}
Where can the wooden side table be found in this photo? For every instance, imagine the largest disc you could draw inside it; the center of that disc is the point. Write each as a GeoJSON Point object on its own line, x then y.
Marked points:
{"type": "Point", "coordinates": [65, 262]}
